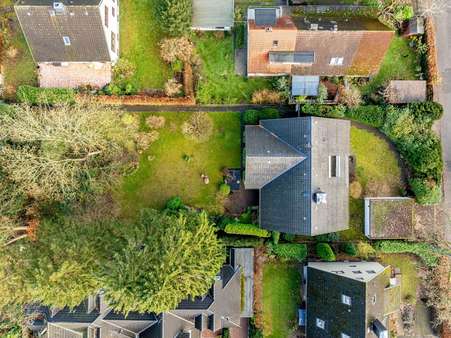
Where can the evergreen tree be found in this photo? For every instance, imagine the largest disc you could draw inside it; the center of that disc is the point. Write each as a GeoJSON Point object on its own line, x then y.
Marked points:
{"type": "Point", "coordinates": [175, 17]}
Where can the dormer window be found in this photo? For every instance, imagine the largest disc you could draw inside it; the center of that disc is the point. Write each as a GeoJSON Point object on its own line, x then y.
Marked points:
{"type": "Point", "coordinates": [275, 43]}
{"type": "Point", "coordinates": [66, 41]}
{"type": "Point", "coordinates": [336, 61]}
{"type": "Point", "coordinates": [346, 300]}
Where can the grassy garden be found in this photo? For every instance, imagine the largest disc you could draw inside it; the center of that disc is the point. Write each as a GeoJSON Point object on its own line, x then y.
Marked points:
{"type": "Point", "coordinates": [140, 38]}
{"type": "Point", "coordinates": [377, 172]}
{"type": "Point", "coordinates": [218, 81]}
{"type": "Point", "coordinates": [400, 63]}
{"type": "Point", "coordinates": [173, 165]}
{"type": "Point", "coordinates": [281, 299]}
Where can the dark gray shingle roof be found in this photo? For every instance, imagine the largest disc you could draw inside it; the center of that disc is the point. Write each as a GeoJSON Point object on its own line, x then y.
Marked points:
{"type": "Point", "coordinates": [81, 24]}
{"type": "Point", "coordinates": [286, 200]}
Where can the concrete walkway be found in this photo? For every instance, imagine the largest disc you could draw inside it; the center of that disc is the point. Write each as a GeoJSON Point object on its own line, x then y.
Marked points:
{"type": "Point", "coordinates": [443, 95]}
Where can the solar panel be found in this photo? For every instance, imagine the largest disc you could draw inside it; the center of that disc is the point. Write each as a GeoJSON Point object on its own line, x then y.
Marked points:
{"type": "Point", "coordinates": [265, 16]}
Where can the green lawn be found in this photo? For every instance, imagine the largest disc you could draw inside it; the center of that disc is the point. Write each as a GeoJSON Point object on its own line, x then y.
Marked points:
{"type": "Point", "coordinates": [281, 299]}
{"type": "Point", "coordinates": [20, 69]}
{"type": "Point", "coordinates": [219, 83]}
{"type": "Point", "coordinates": [408, 265]}
{"type": "Point", "coordinates": [140, 37]}
{"type": "Point", "coordinates": [164, 173]}
{"type": "Point", "coordinates": [377, 171]}
{"type": "Point", "coordinates": [400, 63]}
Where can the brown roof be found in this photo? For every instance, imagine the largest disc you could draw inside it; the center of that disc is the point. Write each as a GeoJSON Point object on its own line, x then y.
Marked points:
{"type": "Point", "coordinates": [361, 43]}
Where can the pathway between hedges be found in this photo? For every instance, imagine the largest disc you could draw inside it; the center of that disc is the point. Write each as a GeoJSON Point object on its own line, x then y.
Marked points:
{"type": "Point", "coordinates": [285, 109]}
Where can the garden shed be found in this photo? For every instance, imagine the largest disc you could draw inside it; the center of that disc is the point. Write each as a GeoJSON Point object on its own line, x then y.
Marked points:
{"type": "Point", "coordinates": [406, 91]}
{"type": "Point", "coordinates": [389, 217]}
{"type": "Point", "coordinates": [213, 15]}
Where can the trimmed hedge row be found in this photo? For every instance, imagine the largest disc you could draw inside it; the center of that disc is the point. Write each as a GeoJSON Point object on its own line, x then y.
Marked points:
{"type": "Point", "coordinates": [409, 128]}
{"type": "Point", "coordinates": [49, 96]}
{"type": "Point", "coordinates": [254, 116]}
{"type": "Point", "coordinates": [290, 251]}
{"type": "Point", "coordinates": [246, 230]}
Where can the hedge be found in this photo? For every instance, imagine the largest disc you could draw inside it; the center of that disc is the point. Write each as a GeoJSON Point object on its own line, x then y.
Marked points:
{"type": "Point", "coordinates": [50, 96]}
{"type": "Point", "coordinates": [288, 237]}
{"type": "Point", "coordinates": [254, 116]}
{"type": "Point", "coordinates": [349, 248]}
{"type": "Point", "coordinates": [246, 230]}
{"type": "Point", "coordinates": [275, 237]}
{"type": "Point", "coordinates": [427, 252]}
{"type": "Point", "coordinates": [290, 251]}
{"type": "Point", "coordinates": [325, 252]}
{"type": "Point", "coordinates": [426, 192]}
{"type": "Point", "coordinates": [243, 242]}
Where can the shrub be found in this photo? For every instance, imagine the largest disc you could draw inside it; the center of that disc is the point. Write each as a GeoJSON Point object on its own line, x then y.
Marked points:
{"type": "Point", "coordinates": [49, 96]}
{"type": "Point", "coordinates": [426, 113]}
{"type": "Point", "coordinates": [175, 16]}
{"type": "Point", "coordinates": [331, 237]}
{"type": "Point", "coordinates": [275, 237]}
{"type": "Point", "coordinates": [224, 189]}
{"type": "Point", "coordinates": [350, 97]}
{"type": "Point", "coordinates": [370, 115]}
{"type": "Point", "coordinates": [322, 94]}
{"type": "Point", "coordinates": [240, 241]}
{"type": "Point", "coordinates": [427, 252]}
{"type": "Point", "coordinates": [365, 250]}
{"type": "Point", "coordinates": [123, 70]}
{"type": "Point", "coordinates": [246, 217]}
{"type": "Point", "coordinates": [426, 192]}
{"type": "Point", "coordinates": [246, 230]}
{"type": "Point", "coordinates": [290, 251]}
{"type": "Point", "coordinates": [225, 333]}
{"type": "Point", "coordinates": [325, 252]}
{"type": "Point", "coordinates": [254, 116]}
{"type": "Point", "coordinates": [267, 96]}
{"type": "Point", "coordinates": [176, 49]}
{"type": "Point", "coordinates": [282, 85]}
{"type": "Point", "coordinates": [173, 88]}
{"type": "Point", "coordinates": [155, 122]}
{"type": "Point", "coordinates": [337, 111]}
{"type": "Point", "coordinates": [174, 203]}
{"type": "Point", "coordinates": [199, 127]}
{"type": "Point", "coordinates": [349, 248]}
{"type": "Point", "coordinates": [355, 190]}
{"type": "Point", "coordinates": [288, 237]}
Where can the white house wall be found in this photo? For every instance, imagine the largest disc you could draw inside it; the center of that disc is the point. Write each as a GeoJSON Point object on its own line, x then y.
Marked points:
{"type": "Point", "coordinates": [113, 25]}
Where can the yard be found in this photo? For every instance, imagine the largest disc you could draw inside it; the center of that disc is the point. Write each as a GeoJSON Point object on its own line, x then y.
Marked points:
{"type": "Point", "coordinates": [281, 299]}
{"type": "Point", "coordinates": [408, 265]}
{"type": "Point", "coordinates": [218, 82]}
{"type": "Point", "coordinates": [400, 63]}
{"type": "Point", "coordinates": [173, 165]}
{"type": "Point", "coordinates": [19, 67]}
{"type": "Point", "coordinates": [377, 172]}
{"type": "Point", "coordinates": [140, 37]}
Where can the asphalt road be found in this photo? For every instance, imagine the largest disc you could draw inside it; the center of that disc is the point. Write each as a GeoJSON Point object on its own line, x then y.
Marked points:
{"type": "Point", "coordinates": [443, 95]}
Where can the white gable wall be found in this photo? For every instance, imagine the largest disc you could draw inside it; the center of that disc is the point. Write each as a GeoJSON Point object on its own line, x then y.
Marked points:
{"type": "Point", "coordinates": [113, 25]}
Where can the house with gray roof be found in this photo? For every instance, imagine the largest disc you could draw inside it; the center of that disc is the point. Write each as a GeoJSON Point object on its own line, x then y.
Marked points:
{"type": "Point", "coordinates": [349, 299]}
{"type": "Point", "coordinates": [73, 42]}
{"type": "Point", "coordinates": [94, 318]}
{"type": "Point", "coordinates": [300, 167]}
{"type": "Point", "coordinates": [213, 15]}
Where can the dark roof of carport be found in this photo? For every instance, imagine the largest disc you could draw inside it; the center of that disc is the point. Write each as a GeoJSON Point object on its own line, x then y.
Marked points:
{"type": "Point", "coordinates": [265, 16]}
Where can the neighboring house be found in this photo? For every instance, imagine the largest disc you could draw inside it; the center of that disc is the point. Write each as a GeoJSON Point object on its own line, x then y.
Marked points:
{"type": "Point", "coordinates": [73, 42]}
{"type": "Point", "coordinates": [279, 43]}
{"type": "Point", "coordinates": [349, 299]}
{"type": "Point", "coordinates": [389, 217]}
{"type": "Point", "coordinates": [406, 91]}
{"type": "Point", "coordinates": [301, 168]}
{"type": "Point", "coordinates": [213, 15]}
{"type": "Point", "coordinates": [219, 308]}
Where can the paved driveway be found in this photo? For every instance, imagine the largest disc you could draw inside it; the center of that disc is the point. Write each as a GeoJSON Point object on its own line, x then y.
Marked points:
{"type": "Point", "coordinates": [443, 95]}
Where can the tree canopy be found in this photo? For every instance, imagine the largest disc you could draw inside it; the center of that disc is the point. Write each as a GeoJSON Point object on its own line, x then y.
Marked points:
{"type": "Point", "coordinates": [175, 16]}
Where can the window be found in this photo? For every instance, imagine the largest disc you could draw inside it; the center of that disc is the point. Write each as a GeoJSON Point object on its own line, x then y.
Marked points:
{"type": "Point", "coordinates": [373, 300]}
{"type": "Point", "coordinates": [320, 323]}
{"type": "Point", "coordinates": [107, 13]}
{"type": "Point", "coordinates": [275, 43]}
{"type": "Point", "coordinates": [66, 41]}
{"type": "Point", "coordinates": [371, 271]}
{"type": "Point", "coordinates": [334, 166]}
{"type": "Point", "coordinates": [113, 12]}
{"type": "Point", "coordinates": [113, 42]}
{"type": "Point", "coordinates": [357, 271]}
{"type": "Point", "coordinates": [344, 335]}
{"type": "Point", "coordinates": [346, 300]}
{"type": "Point", "coordinates": [340, 272]}
{"type": "Point", "coordinates": [336, 61]}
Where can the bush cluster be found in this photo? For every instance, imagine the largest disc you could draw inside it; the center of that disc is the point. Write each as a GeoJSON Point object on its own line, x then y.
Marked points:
{"type": "Point", "coordinates": [325, 252]}
{"type": "Point", "coordinates": [246, 230]}
{"type": "Point", "coordinates": [224, 189]}
{"type": "Point", "coordinates": [290, 251]}
{"type": "Point", "coordinates": [268, 96]}
{"type": "Point", "coordinates": [241, 242]}
{"type": "Point", "coordinates": [254, 116]}
{"type": "Point", "coordinates": [48, 96]}
{"type": "Point", "coordinates": [349, 248]}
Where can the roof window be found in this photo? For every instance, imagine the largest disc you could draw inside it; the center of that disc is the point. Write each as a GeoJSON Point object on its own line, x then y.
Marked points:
{"type": "Point", "coordinates": [66, 40]}
{"type": "Point", "coordinates": [346, 300]}
{"type": "Point", "coordinates": [320, 323]}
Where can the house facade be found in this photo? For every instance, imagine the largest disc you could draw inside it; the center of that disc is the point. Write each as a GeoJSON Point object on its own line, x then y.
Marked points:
{"type": "Point", "coordinates": [301, 168]}
{"type": "Point", "coordinates": [349, 299]}
{"type": "Point", "coordinates": [282, 43]}
{"type": "Point", "coordinates": [74, 43]}
{"type": "Point", "coordinates": [193, 318]}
